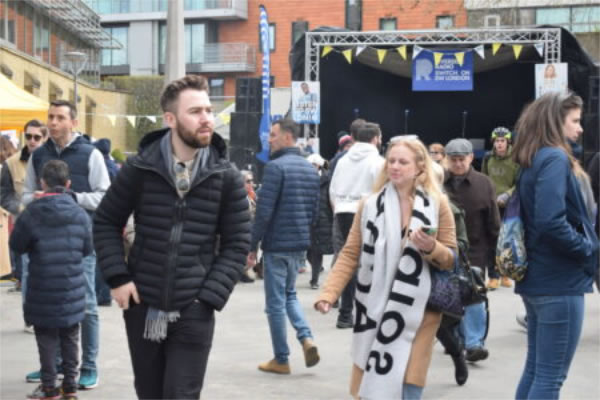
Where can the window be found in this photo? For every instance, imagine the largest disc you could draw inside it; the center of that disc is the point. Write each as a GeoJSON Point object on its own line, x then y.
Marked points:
{"type": "Point", "coordinates": [354, 15]}
{"type": "Point", "coordinates": [217, 87]}
{"type": "Point", "coordinates": [575, 19]}
{"type": "Point", "coordinates": [553, 16]}
{"type": "Point", "coordinates": [271, 38]}
{"type": "Point", "coordinates": [194, 43]}
{"type": "Point", "coordinates": [388, 24]}
{"type": "Point", "coordinates": [491, 21]}
{"type": "Point", "coordinates": [112, 57]}
{"type": "Point", "coordinates": [41, 36]}
{"type": "Point", "coordinates": [298, 29]}
{"type": "Point", "coordinates": [445, 21]}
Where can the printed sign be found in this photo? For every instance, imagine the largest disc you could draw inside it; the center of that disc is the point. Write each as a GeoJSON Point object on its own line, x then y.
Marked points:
{"type": "Point", "coordinates": [448, 75]}
{"type": "Point", "coordinates": [306, 105]}
{"type": "Point", "coordinates": [551, 78]}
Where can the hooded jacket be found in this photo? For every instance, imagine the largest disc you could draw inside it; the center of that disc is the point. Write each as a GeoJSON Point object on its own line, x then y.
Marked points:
{"type": "Point", "coordinates": [354, 177]}
{"type": "Point", "coordinates": [56, 233]}
{"type": "Point", "coordinates": [185, 248]}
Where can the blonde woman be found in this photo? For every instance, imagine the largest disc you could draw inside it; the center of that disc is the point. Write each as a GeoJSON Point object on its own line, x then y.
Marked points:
{"type": "Point", "coordinates": [401, 232]}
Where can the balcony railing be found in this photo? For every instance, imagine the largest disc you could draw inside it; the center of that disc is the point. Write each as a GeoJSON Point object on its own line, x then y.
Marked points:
{"type": "Point", "coordinates": [112, 11]}
{"type": "Point", "coordinates": [221, 57]}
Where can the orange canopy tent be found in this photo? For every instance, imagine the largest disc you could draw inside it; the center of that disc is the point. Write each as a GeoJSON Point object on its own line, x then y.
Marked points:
{"type": "Point", "coordinates": [18, 106]}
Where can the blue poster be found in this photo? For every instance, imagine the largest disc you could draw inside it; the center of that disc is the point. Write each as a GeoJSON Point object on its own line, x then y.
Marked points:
{"type": "Point", "coordinates": [449, 75]}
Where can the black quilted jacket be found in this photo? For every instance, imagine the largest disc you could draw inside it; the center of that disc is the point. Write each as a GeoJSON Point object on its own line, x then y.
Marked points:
{"type": "Point", "coordinates": [184, 248]}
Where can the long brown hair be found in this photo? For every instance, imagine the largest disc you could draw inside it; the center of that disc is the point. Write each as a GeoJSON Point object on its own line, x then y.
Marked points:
{"type": "Point", "coordinates": [541, 125]}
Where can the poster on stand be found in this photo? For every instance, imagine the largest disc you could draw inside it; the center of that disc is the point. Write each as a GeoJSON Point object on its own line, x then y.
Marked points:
{"type": "Point", "coordinates": [551, 78]}
{"type": "Point", "coordinates": [449, 75]}
{"type": "Point", "coordinates": [306, 102]}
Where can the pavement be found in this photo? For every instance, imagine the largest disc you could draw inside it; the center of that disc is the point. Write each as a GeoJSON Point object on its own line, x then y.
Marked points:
{"type": "Point", "coordinates": [242, 341]}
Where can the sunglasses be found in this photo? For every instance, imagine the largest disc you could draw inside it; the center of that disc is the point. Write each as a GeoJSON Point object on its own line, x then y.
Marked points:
{"type": "Point", "coordinates": [29, 136]}
{"type": "Point", "coordinates": [183, 181]}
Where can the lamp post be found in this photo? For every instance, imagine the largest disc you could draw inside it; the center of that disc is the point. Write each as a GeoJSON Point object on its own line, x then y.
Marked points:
{"type": "Point", "coordinates": [77, 61]}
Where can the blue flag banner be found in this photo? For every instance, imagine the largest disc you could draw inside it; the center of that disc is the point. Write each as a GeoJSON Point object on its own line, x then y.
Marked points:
{"type": "Point", "coordinates": [447, 74]}
{"type": "Point", "coordinates": [265, 121]}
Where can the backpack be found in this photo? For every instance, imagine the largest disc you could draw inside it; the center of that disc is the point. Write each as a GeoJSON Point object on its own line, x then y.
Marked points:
{"type": "Point", "coordinates": [511, 256]}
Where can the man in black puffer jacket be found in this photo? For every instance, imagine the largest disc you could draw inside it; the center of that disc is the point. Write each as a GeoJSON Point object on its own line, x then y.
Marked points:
{"type": "Point", "coordinates": [192, 237]}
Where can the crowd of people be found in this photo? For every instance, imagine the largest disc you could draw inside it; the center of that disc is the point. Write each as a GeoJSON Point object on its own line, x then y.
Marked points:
{"type": "Point", "coordinates": [169, 234]}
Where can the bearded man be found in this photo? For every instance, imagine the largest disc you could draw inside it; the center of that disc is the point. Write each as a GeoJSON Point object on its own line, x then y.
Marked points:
{"type": "Point", "coordinates": [192, 237]}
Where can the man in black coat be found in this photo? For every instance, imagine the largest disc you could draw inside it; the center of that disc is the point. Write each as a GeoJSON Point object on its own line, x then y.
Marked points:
{"type": "Point", "coordinates": [192, 238]}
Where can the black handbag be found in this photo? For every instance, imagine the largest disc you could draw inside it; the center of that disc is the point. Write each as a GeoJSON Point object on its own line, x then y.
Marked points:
{"type": "Point", "coordinates": [471, 284]}
{"type": "Point", "coordinates": [445, 293]}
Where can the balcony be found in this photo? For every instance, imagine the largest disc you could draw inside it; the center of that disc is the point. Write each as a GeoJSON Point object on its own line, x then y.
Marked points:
{"type": "Point", "coordinates": [221, 57]}
{"type": "Point", "coordinates": [149, 10]}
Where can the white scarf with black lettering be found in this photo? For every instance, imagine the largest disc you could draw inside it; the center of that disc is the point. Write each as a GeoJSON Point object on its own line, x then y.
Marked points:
{"type": "Point", "coordinates": [392, 290]}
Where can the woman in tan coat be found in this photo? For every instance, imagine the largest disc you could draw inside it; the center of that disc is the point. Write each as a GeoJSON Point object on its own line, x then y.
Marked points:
{"type": "Point", "coordinates": [403, 231]}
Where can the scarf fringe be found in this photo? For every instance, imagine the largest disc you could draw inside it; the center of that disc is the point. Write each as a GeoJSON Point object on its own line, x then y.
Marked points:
{"type": "Point", "coordinates": [157, 322]}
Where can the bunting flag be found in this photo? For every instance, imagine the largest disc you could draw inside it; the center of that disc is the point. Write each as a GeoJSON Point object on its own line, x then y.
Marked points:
{"type": "Point", "coordinates": [348, 55]}
{"type": "Point", "coordinates": [460, 57]}
{"type": "Point", "coordinates": [402, 51]}
{"type": "Point", "coordinates": [481, 51]}
{"type": "Point", "coordinates": [359, 49]}
{"type": "Point", "coordinates": [326, 50]}
{"type": "Point", "coordinates": [265, 121]}
{"type": "Point", "coordinates": [112, 119]}
{"type": "Point", "coordinates": [151, 118]}
{"type": "Point", "coordinates": [495, 47]}
{"type": "Point", "coordinates": [416, 51]}
{"type": "Point", "coordinates": [381, 54]}
{"type": "Point", "coordinates": [540, 48]}
{"type": "Point", "coordinates": [517, 50]}
{"type": "Point", "coordinates": [131, 119]}
{"type": "Point", "coordinates": [437, 57]}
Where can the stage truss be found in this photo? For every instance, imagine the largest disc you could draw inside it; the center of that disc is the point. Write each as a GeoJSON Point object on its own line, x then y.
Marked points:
{"type": "Point", "coordinates": [550, 37]}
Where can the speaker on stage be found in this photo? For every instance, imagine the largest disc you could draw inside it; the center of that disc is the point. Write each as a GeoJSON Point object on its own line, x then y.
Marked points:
{"type": "Point", "coordinates": [243, 130]}
{"type": "Point", "coordinates": [248, 95]}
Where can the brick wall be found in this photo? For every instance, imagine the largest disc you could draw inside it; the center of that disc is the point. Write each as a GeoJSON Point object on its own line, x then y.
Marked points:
{"type": "Point", "coordinates": [410, 14]}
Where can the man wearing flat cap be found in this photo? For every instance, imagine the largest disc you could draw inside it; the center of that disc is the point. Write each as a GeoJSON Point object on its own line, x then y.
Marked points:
{"type": "Point", "coordinates": [475, 194]}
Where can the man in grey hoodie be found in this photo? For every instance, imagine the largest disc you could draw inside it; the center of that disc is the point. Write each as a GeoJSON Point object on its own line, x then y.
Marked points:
{"type": "Point", "coordinates": [352, 180]}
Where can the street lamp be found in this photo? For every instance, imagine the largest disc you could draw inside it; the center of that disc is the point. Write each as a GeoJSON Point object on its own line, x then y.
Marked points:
{"type": "Point", "coordinates": [77, 61]}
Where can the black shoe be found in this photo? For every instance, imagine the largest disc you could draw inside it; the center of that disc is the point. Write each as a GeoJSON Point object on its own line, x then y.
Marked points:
{"type": "Point", "coordinates": [461, 372]}
{"type": "Point", "coordinates": [314, 285]}
{"type": "Point", "coordinates": [344, 323]}
{"type": "Point", "coordinates": [105, 303]}
{"type": "Point", "coordinates": [246, 279]}
{"type": "Point", "coordinates": [477, 354]}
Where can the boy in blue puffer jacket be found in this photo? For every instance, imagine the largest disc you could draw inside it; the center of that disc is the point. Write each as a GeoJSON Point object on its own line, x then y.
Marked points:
{"type": "Point", "coordinates": [56, 233]}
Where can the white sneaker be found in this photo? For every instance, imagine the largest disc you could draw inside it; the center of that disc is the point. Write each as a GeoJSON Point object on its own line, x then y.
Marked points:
{"type": "Point", "coordinates": [29, 329]}
{"type": "Point", "coordinates": [522, 319]}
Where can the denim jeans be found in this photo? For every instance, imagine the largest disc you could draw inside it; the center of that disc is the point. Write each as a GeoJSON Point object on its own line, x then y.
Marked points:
{"type": "Point", "coordinates": [473, 326]}
{"type": "Point", "coordinates": [553, 331]}
{"type": "Point", "coordinates": [281, 270]}
{"type": "Point", "coordinates": [90, 326]}
{"type": "Point", "coordinates": [411, 392]}
{"type": "Point", "coordinates": [102, 289]}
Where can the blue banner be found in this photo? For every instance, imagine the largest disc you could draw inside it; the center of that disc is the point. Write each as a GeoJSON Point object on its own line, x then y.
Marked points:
{"type": "Point", "coordinates": [449, 75]}
{"type": "Point", "coordinates": [265, 121]}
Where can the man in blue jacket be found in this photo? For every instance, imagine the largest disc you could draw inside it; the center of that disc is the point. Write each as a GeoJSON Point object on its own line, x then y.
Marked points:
{"type": "Point", "coordinates": [286, 209]}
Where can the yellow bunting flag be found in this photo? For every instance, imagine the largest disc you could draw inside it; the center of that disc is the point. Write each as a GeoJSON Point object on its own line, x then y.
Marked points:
{"type": "Point", "coordinates": [437, 57]}
{"type": "Point", "coordinates": [381, 55]}
{"type": "Point", "coordinates": [517, 50]}
{"type": "Point", "coordinates": [460, 57]}
{"type": "Point", "coordinates": [326, 50]}
{"type": "Point", "coordinates": [495, 47]}
{"type": "Point", "coordinates": [131, 119]}
{"type": "Point", "coordinates": [112, 119]}
{"type": "Point", "coordinates": [348, 55]}
{"type": "Point", "coordinates": [402, 51]}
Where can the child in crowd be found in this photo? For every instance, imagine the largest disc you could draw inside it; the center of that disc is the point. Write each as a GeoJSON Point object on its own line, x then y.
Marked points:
{"type": "Point", "coordinates": [56, 232]}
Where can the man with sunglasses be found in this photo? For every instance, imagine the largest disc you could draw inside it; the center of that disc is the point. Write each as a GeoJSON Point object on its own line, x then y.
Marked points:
{"type": "Point", "coordinates": [192, 237]}
{"type": "Point", "coordinates": [12, 179]}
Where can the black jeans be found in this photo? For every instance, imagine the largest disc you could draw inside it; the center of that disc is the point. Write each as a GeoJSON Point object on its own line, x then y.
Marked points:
{"type": "Point", "coordinates": [49, 342]}
{"type": "Point", "coordinates": [173, 368]}
{"type": "Point", "coordinates": [344, 221]}
{"type": "Point", "coordinates": [315, 259]}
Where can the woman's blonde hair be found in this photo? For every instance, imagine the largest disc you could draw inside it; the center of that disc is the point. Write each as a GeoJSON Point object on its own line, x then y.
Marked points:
{"type": "Point", "coordinates": [425, 178]}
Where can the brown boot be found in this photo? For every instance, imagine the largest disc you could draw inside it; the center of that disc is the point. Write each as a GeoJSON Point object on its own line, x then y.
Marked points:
{"type": "Point", "coordinates": [311, 354]}
{"type": "Point", "coordinates": [493, 284]}
{"type": "Point", "coordinates": [274, 367]}
{"type": "Point", "coordinates": [505, 282]}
